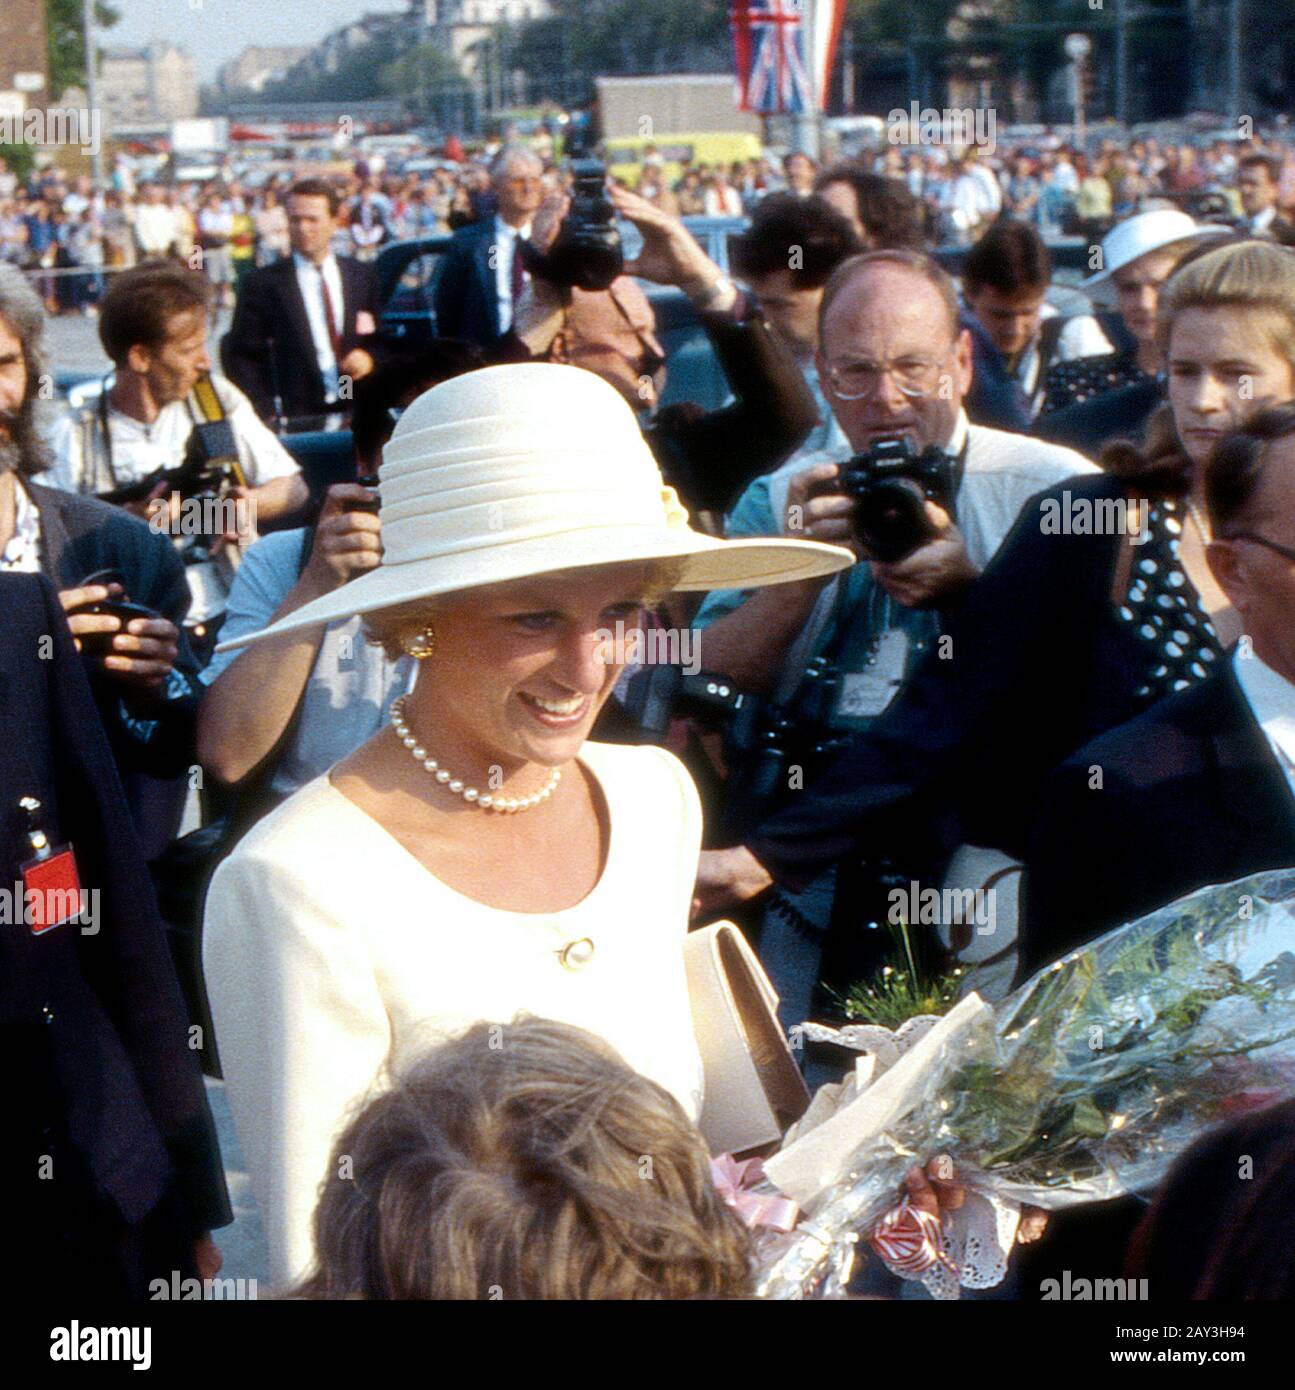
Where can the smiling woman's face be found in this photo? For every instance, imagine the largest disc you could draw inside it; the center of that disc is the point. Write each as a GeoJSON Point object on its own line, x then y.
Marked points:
{"type": "Point", "coordinates": [1223, 366]}
{"type": "Point", "coordinates": [521, 670]}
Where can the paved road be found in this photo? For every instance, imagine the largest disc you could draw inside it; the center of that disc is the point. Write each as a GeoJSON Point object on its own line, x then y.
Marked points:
{"type": "Point", "coordinates": [242, 1244]}
{"type": "Point", "coordinates": [74, 343]}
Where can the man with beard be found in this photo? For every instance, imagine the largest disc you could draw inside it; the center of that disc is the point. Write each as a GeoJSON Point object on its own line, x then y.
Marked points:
{"type": "Point", "coordinates": [141, 670]}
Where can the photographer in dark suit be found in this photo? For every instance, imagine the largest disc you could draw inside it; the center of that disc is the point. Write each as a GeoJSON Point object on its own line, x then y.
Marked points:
{"type": "Point", "coordinates": [110, 1164]}
{"type": "Point", "coordinates": [1197, 790]}
{"type": "Point", "coordinates": [306, 321]}
{"type": "Point", "coordinates": [481, 280]}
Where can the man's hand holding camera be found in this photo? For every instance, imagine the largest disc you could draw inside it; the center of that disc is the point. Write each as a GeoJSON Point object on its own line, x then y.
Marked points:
{"type": "Point", "coordinates": [140, 654]}
{"type": "Point", "coordinates": [935, 572]}
{"type": "Point", "coordinates": [348, 540]}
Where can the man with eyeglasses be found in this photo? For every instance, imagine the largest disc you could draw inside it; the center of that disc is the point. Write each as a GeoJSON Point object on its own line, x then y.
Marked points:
{"type": "Point", "coordinates": [482, 279]}
{"type": "Point", "coordinates": [1201, 788]}
{"type": "Point", "coordinates": [895, 363]}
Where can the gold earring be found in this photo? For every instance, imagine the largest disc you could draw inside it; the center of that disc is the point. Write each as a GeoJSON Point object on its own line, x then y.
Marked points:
{"type": "Point", "coordinates": [420, 647]}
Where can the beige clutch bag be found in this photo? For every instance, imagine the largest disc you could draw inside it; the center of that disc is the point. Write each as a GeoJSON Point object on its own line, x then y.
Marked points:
{"type": "Point", "coordinates": [754, 1090]}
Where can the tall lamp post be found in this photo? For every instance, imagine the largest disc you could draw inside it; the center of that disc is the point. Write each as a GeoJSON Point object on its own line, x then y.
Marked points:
{"type": "Point", "coordinates": [92, 83]}
{"type": "Point", "coordinates": [1078, 47]}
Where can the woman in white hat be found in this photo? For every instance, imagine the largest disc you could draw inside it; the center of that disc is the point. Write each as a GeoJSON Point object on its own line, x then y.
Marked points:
{"type": "Point", "coordinates": [479, 858]}
{"type": "Point", "coordinates": [1137, 256]}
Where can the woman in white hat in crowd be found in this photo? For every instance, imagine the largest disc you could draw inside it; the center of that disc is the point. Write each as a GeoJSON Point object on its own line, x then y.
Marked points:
{"type": "Point", "coordinates": [1137, 256]}
{"type": "Point", "coordinates": [479, 858]}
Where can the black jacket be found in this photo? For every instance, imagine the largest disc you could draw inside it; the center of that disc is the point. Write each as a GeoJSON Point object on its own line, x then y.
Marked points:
{"type": "Point", "coordinates": [1092, 424]}
{"type": "Point", "coordinates": [1035, 665]}
{"type": "Point", "coordinates": [99, 1074]}
{"type": "Point", "coordinates": [80, 535]}
{"type": "Point", "coordinates": [1190, 795]}
{"type": "Point", "coordinates": [268, 351]}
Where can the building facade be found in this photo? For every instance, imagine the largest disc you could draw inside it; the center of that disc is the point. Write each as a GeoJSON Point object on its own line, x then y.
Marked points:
{"type": "Point", "coordinates": [24, 64]}
{"type": "Point", "coordinates": [255, 67]}
{"type": "Point", "coordinates": [141, 85]}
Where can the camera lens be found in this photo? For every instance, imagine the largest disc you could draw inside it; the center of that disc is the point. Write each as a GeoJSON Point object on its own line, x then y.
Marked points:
{"type": "Point", "coordinates": [890, 519]}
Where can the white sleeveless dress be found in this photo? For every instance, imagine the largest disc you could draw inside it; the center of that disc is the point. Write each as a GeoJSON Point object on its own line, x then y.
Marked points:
{"type": "Point", "coordinates": [332, 954]}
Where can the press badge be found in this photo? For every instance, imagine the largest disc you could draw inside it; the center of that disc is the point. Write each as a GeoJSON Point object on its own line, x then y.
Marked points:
{"type": "Point", "coordinates": [866, 694]}
{"type": "Point", "coordinates": [52, 893]}
{"type": "Point", "coordinates": [52, 890]}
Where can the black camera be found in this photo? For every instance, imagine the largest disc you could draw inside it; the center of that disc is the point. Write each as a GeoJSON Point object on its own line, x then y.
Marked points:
{"type": "Point", "coordinates": [100, 643]}
{"type": "Point", "coordinates": [586, 253]}
{"type": "Point", "coordinates": [890, 485]}
{"type": "Point", "coordinates": [210, 460]}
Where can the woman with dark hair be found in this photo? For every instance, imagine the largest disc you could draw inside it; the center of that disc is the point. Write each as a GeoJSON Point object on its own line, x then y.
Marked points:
{"type": "Point", "coordinates": [1223, 1223]}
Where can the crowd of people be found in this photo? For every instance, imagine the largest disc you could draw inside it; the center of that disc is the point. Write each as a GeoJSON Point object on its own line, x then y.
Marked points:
{"type": "Point", "coordinates": [431, 930]}
{"type": "Point", "coordinates": [55, 223]}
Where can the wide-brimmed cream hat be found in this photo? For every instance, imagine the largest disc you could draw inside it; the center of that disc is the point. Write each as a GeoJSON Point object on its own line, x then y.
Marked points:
{"type": "Point", "coordinates": [515, 471]}
{"type": "Point", "coordinates": [1157, 230]}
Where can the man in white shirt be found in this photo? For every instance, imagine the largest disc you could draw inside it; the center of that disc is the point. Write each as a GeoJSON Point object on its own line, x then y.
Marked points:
{"type": "Point", "coordinates": [895, 363]}
{"type": "Point", "coordinates": [153, 326]}
{"type": "Point", "coordinates": [305, 328]}
{"type": "Point", "coordinates": [156, 230]}
{"type": "Point", "coordinates": [483, 276]}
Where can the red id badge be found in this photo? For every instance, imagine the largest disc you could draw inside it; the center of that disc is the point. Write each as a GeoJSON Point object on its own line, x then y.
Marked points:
{"type": "Point", "coordinates": [52, 890]}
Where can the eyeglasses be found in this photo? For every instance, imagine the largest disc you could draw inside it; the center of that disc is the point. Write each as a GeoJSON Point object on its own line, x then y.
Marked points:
{"type": "Point", "coordinates": [1283, 550]}
{"type": "Point", "coordinates": [916, 377]}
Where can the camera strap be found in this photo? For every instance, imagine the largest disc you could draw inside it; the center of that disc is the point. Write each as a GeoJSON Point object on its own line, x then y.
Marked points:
{"type": "Point", "coordinates": [204, 392]}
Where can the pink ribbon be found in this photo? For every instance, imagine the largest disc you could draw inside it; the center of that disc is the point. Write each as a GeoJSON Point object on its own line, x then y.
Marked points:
{"type": "Point", "coordinates": [910, 1240]}
{"type": "Point", "coordinates": [734, 1181]}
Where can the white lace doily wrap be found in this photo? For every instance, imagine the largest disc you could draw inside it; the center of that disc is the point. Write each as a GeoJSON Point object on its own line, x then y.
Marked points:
{"type": "Point", "coordinates": [816, 1152]}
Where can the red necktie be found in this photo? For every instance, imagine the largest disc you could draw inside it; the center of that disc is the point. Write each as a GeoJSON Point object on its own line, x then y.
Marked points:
{"type": "Point", "coordinates": [330, 318]}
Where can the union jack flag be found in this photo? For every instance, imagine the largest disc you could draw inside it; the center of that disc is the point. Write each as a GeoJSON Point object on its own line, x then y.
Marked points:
{"type": "Point", "coordinates": [769, 42]}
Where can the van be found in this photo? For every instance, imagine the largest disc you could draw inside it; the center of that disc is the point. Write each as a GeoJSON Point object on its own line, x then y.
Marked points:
{"type": "Point", "coordinates": [624, 156]}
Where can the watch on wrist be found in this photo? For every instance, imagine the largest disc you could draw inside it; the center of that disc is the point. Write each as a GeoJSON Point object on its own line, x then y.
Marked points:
{"type": "Point", "coordinates": [717, 289]}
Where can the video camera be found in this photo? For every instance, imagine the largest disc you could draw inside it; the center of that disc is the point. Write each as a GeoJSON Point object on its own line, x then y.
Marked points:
{"type": "Point", "coordinates": [586, 253]}
{"type": "Point", "coordinates": [890, 485]}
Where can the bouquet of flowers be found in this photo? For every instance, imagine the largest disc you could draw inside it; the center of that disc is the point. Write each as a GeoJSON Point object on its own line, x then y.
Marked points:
{"type": "Point", "coordinates": [1082, 1085]}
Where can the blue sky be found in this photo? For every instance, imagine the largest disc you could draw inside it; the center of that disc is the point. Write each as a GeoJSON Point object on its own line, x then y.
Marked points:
{"type": "Point", "coordinates": [216, 30]}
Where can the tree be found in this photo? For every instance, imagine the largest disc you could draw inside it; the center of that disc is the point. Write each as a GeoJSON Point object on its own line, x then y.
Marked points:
{"type": "Point", "coordinates": [585, 39]}
{"type": "Point", "coordinates": [421, 76]}
{"type": "Point", "coordinates": [65, 41]}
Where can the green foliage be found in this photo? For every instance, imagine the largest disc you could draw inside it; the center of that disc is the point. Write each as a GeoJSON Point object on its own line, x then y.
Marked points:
{"type": "Point", "coordinates": [902, 991]}
{"type": "Point", "coordinates": [66, 41]}
{"type": "Point", "coordinates": [589, 38]}
{"type": "Point", "coordinates": [20, 158]}
{"type": "Point", "coordinates": [358, 76]}
{"type": "Point", "coordinates": [425, 70]}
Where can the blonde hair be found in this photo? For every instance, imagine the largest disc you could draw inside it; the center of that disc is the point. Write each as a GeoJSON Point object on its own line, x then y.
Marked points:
{"type": "Point", "coordinates": [524, 1160]}
{"type": "Point", "coordinates": [1247, 274]}
{"type": "Point", "coordinates": [391, 627]}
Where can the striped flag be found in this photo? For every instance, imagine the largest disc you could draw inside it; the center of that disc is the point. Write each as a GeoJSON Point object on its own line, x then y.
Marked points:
{"type": "Point", "coordinates": [784, 51]}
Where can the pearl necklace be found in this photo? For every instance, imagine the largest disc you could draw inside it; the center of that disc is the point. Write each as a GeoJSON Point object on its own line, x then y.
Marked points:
{"type": "Point", "coordinates": [508, 804]}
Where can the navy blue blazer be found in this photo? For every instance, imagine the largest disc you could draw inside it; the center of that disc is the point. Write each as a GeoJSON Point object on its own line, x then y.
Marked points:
{"type": "Point", "coordinates": [467, 293]}
{"type": "Point", "coordinates": [100, 1078]}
